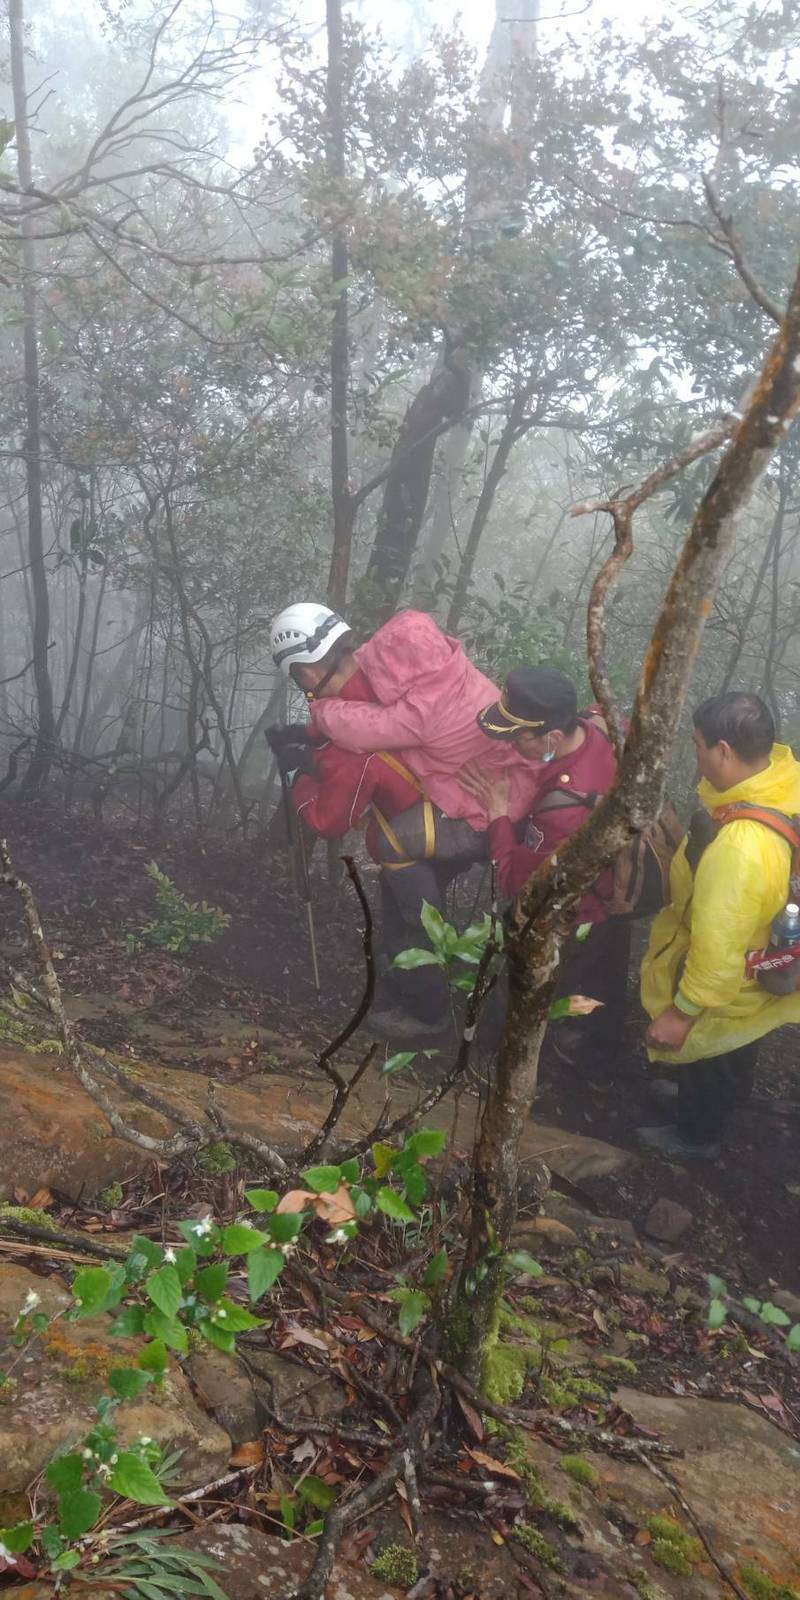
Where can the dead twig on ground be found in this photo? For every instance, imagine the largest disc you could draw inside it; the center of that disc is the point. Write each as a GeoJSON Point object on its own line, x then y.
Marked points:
{"type": "Point", "coordinates": [412, 1445]}
{"type": "Point", "coordinates": [667, 1479]}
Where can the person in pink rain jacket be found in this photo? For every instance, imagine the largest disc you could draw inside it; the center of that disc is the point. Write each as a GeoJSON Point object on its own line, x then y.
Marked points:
{"type": "Point", "coordinates": [425, 697]}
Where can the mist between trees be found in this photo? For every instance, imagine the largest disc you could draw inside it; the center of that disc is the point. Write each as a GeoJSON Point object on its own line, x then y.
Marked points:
{"type": "Point", "coordinates": [378, 359]}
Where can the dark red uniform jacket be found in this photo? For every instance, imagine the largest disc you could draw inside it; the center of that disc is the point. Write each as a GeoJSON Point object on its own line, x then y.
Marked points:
{"type": "Point", "coordinates": [589, 770]}
{"type": "Point", "coordinates": [349, 783]}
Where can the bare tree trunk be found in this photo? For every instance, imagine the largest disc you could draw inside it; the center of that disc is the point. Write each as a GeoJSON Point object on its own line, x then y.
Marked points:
{"type": "Point", "coordinates": [514, 427]}
{"type": "Point", "coordinates": [45, 734]}
{"type": "Point", "coordinates": [773, 540]}
{"type": "Point", "coordinates": [487, 206]}
{"type": "Point", "coordinates": [542, 915]}
{"type": "Point", "coordinates": [343, 508]}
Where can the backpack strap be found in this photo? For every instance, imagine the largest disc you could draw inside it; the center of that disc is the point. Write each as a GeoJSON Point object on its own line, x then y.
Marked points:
{"type": "Point", "coordinates": [776, 821]}
{"type": "Point", "coordinates": [560, 799]}
{"type": "Point", "coordinates": [400, 768]}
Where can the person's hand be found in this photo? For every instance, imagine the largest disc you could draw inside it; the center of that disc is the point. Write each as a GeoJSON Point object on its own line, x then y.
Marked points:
{"type": "Point", "coordinates": [492, 789]}
{"type": "Point", "coordinates": [290, 748]}
{"type": "Point", "coordinates": [671, 1030]}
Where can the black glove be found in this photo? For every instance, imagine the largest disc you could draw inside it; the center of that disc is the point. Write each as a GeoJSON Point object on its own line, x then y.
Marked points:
{"type": "Point", "coordinates": [291, 749]}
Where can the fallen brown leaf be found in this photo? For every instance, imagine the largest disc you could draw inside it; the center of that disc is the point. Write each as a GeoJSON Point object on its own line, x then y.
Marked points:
{"type": "Point", "coordinates": [248, 1454]}
{"type": "Point", "coordinates": [498, 1469]}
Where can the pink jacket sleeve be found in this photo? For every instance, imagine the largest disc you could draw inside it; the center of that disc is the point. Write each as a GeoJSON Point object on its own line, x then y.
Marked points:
{"type": "Point", "coordinates": [359, 725]}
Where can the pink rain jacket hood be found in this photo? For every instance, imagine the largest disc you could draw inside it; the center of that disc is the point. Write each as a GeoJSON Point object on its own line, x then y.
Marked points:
{"type": "Point", "coordinates": [429, 695]}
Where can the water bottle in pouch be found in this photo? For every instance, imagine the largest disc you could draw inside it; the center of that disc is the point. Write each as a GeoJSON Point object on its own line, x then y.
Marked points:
{"type": "Point", "coordinates": [784, 936]}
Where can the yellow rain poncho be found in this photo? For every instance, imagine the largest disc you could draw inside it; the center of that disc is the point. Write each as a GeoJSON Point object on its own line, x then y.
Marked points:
{"type": "Point", "coordinates": [698, 943]}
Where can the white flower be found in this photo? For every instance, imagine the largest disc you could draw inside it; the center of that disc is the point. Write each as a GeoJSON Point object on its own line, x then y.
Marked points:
{"type": "Point", "coordinates": [203, 1227]}
{"type": "Point", "coordinates": [103, 1470]}
{"type": "Point", "coordinates": [339, 1236]}
{"type": "Point", "coordinates": [88, 1455]}
{"type": "Point", "coordinates": [114, 1460]}
{"type": "Point", "coordinates": [169, 1256]}
{"type": "Point", "coordinates": [221, 1314]}
{"type": "Point", "coordinates": [144, 1438]}
{"type": "Point", "coordinates": [32, 1300]}
{"type": "Point", "coordinates": [288, 1249]}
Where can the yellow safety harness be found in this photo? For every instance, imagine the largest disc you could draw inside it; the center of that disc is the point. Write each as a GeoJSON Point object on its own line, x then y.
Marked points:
{"type": "Point", "coordinates": [428, 817]}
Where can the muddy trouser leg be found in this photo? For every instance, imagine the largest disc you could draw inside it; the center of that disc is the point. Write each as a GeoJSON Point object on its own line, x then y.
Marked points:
{"type": "Point", "coordinates": [596, 967]}
{"type": "Point", "coordinates": [408, 877]}
{"type": "Point", "coordinates": [708, 1089]}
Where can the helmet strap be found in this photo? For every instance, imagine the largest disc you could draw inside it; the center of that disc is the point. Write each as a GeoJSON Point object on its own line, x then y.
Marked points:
{"type": "Point", "coordinates": [314, 694]}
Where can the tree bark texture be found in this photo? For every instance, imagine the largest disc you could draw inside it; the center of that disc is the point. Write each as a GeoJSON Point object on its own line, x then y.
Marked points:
{"type": "Point", "coordinates": [343, 509]}
{"type": "Point", "coordinates": [43, 749]}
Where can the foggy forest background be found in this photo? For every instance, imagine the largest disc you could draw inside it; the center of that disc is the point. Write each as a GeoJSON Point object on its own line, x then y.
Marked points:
{"type": "Point", "coordinates": [292, 309]}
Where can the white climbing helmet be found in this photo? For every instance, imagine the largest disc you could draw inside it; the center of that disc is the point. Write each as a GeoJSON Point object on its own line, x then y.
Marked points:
{"type": "Point", "coordinates": [304, 633]}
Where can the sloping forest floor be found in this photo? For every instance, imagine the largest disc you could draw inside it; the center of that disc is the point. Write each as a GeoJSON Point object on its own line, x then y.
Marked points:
{"type": "Point", "coordinates": [622, 1300]}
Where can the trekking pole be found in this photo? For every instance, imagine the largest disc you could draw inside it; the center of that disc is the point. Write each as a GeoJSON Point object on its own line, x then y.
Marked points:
{"type": "Point", "coordinates": [303, 886]}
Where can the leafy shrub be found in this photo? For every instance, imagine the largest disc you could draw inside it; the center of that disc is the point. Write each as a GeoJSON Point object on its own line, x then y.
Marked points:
{"type": "Point", "coordinates": [179, 922]}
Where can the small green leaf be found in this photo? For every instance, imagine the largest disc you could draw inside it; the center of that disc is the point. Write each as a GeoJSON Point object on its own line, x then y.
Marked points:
{"type": "Point", "coordinates": [284, 1227]}
{"type": "Point", "coordinates": [216, 1335]}
{"type": "Point", "coordinates": [164, 1289]}
{"type": "Point", "coordinates": [520, 1261]}
{"type": "Point", "coordinates": [127, 1383]}
{"type": "Point", "coordinates": [185, 1264]}
{"type": "Point", "coordinates": [351, 1171]}
{"type": "Point", "coordinates": [314, 1491]}
{"type": "Point", "coordinates": [203, 1243]}
{"type": "Point", "coordinates": [287, 1512]}
{"type": "Point", "coordinates": [774, 1316]}
{"type": "Point", "coordinates": [239, 1240]}
{"type": "Point", "coordinates": [169, 1329]}
{"type": "Point", "coordinates": [396, 1063]}
{"type": "Point", "coordinates": [716, 1284]}
{"type": "Point", "coordinates": [409, 960]}
{"type": "Point", "coordinates": [233, 1318]}
{"type": "Point", "coordinates": [428, 1142]}
{"type": "Point", "coordinates": [129, 1322]}
{"type": "Point", "coordinates": [18, 1538]}
{"type": "Point", "coordinates": [362, 1203]}
{"type": "Point", "coordinates": [264, 1267]}
{"type": "Point", "coordinates": [436, 1270]}
{"type": "Point", "coordinates": [434, 924]}
{"type": "Point", "coordinates": [65, 1473]}
{"type": "Point", "coordinates": [793, 1337]}
{"type": "Point", "coordinates": [66, 1560]}
{"type": "Point", "coordinates": [751, 1305]}
{"type": "Point", "coordinates": [717, 1313]}
{"type": "Point", "coordinates": [412, 1310]}
{"type": "Point", "coordinates": [91, 1288]}
{"type": "Point", "coordinates": [144, 1255]}
{"type": "Point", "coordinates": [384, 1157]}
{"type": "Point", "coordinates": [154, 1357]}
{"type": "Point", "coordinates": [51, 1541]}
{"type": "Point", "coordinates": [211, 1281]}
{"type": "Point", "coordinates": [136, 1481]}
{"type": "Point", "coordinates": [392, 1205]}
{"type": "Point", "coordinates": [78, 1511]}
{"type": "Point", "coordinates": [262, 1199]}
{"type": "Point", "coordinates": [313, 1529]}
{"type": "Point", "coordinates": [582, 931]}
{"type": "Point", "coordinates": [323, 1180]}
{"type": "Point", "coordinates": [415, 1183]}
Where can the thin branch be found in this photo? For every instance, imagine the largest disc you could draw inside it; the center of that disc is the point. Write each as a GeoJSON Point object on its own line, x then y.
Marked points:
{"type": "Point", "coordinates": [738, 257]}
{"type": "Point", "coordinates": [342, 1087]}
{"type": "Point", "coordinates": [621, 511]}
